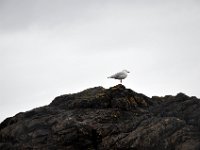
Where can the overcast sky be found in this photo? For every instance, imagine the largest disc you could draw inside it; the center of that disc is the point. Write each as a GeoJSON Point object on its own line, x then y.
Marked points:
{"type": "Point", "coordinates": [54, 47]}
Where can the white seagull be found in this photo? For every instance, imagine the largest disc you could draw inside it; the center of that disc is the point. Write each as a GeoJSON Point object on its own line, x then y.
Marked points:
{"type": "Point", "coordinates": [120, 75]}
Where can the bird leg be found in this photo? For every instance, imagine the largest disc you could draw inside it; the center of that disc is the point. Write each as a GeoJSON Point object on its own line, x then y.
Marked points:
{"type": "Point", "coordinates": [121, 80]}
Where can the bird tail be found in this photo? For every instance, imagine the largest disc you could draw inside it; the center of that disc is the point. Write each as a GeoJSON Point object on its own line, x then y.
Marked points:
{"type": "Point", "coordinates": [110, 77]}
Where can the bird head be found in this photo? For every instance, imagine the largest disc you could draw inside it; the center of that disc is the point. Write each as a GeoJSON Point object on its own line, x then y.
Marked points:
{"type": "Point", "coordinates": [126, 71]}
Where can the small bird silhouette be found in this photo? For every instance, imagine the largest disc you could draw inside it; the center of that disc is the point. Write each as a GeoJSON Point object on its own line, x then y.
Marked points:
{"type": "Point", "coordinates": [120, 75]}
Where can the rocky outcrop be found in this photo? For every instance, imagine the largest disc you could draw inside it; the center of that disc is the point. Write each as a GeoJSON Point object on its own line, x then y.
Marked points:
{"type": "Point", "coordinates": [115, 118]}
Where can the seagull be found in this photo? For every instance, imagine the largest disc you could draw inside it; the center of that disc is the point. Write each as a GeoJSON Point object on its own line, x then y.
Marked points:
{"type": "Point", "coordinates": [120, 75]}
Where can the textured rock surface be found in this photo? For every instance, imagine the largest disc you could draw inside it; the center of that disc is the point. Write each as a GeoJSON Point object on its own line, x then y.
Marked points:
{"type": "Point", "coordinates": [115, 118]}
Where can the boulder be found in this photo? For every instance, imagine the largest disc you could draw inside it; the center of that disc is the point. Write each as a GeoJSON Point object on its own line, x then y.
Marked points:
{"type": "Point", "coordinates": [114, 118]}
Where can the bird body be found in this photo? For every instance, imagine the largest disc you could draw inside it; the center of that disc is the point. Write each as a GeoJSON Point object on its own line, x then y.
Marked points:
{"type": "Point", "coordinates": [120, 75]}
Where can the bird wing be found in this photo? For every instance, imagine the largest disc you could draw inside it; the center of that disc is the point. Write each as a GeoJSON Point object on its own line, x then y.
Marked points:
{"type": "Point", "coordinates": [119, 75]}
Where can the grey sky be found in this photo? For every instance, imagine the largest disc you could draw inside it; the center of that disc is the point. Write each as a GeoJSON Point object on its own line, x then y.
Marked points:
{"type": "Point", "coordinates": [49, 48]}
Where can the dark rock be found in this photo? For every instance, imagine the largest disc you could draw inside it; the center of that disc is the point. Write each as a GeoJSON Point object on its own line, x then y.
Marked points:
{"type": "Point", "coordinates": [115, 118]}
